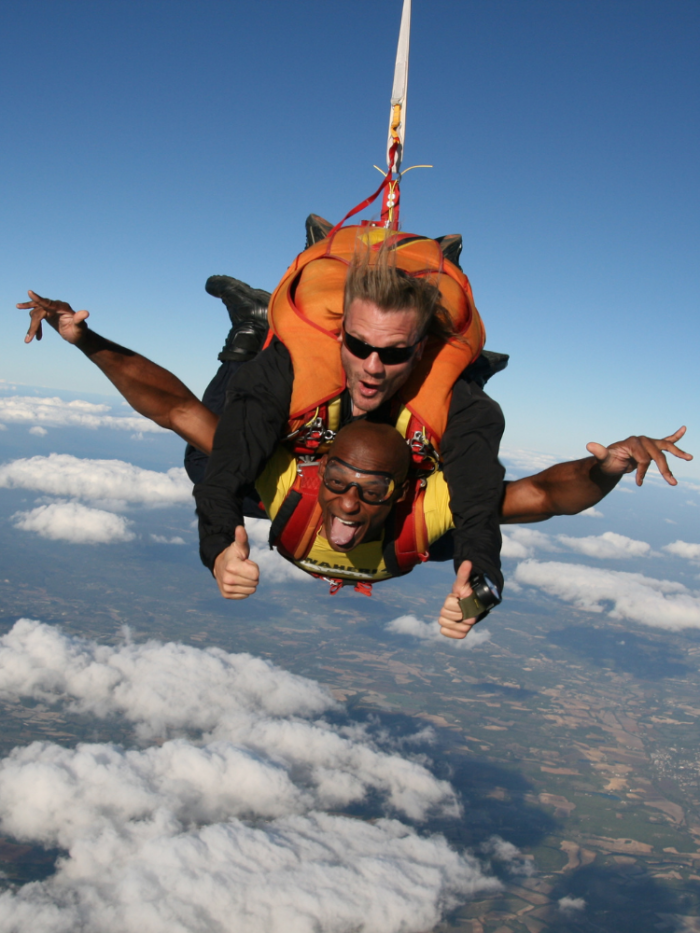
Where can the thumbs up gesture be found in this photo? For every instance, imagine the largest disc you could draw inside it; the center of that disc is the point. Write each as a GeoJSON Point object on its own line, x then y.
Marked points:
{"type": "Point", "coordinates": [452, 625]}
{"type": "Point", "coordinates": [236, 574]}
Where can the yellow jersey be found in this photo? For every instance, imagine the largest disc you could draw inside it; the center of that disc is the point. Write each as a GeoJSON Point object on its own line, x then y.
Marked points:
{"type": "Point", "coordinates": [365, 562]}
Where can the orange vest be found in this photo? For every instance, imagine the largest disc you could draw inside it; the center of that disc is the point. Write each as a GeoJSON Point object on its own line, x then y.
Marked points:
{"type": "Point", "coordinates": [306, 311]}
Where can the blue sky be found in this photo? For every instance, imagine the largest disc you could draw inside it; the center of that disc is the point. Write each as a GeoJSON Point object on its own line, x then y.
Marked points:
{"type": "Point", "coordinates": [147, 146]}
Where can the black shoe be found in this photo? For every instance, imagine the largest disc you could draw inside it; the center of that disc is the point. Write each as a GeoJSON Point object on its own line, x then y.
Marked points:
{"type": "Point", "coordinates": [316, 229]}
{"type": "Point", "coordinates": [240, 299]}
{"type": "Point", "coordinates": [247, 308]}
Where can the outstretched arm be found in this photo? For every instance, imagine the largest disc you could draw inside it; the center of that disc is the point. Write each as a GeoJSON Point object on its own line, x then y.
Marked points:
{"type": "Point", "coordinates": [569, 488]}
{"type": "Point", "coordinates": [151, 390]}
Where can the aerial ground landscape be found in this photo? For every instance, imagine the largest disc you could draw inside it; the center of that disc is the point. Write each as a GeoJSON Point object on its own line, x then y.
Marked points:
{"type": "Point", "coordinates": [570, 737]}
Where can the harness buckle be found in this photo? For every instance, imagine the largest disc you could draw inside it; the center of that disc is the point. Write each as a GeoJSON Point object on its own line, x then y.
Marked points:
{"type": "Point", "coordinates": [306, 460]}
{"type": "Point", "coordinates": [423, 452]}
{"type": "Point", "coordinates": [314, 433]}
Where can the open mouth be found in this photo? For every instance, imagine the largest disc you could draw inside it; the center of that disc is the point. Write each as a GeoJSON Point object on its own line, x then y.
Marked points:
{"type": "Point", "coordinates": [369, 388]}
{"type": "Point", "coordinates": [342, 533]}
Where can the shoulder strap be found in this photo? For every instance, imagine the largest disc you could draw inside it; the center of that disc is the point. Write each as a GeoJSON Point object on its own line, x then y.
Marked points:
{"type": "Point", "coordinates": [406, 536]}
{"type": "Point", "coordinates": [295, 525]}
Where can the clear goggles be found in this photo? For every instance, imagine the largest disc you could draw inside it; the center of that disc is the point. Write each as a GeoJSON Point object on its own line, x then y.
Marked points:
{"type": "Point", "coordinates": [373, 488]}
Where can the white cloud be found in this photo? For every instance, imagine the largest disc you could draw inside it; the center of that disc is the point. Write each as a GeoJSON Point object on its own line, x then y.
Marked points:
{"type": "Point", "coordinates": [410, 625]}
{"type": "Point", "coordinates": [55, 412]}
{"type": "Point", "coordinates": [683, 549]}
{"type": "Point", "coordinates": [430, 631]}
{"type": "Point", "coordinates": [163, 539]}
{"type": "Point", "coordinates": [525, 461]}
{"type": "Point", "coordinates": [273, 567]}
{"type": "Point", "coordinates": [571, 905]}
{"type": "Point", "coordinates": [521, 542]}
{"type": "Point", "coordinates": [38, 431]}
{"type": "Point", "coordinates": [509, 855]}
{"type": "Point", "coordinates": [592, 512]}
{"type": "Point", "coordinates": [71, 521]}
{"type": "Point", "coordinates": [606, 546]}
{"type": "Point", "coordinates": [3, 427]}
{"type": "Point", "coordinates": [222, 831]}
{"type": "Point", "coordinates": [657, 603]}
{"type": "Point", "coordinates": [110, 482]}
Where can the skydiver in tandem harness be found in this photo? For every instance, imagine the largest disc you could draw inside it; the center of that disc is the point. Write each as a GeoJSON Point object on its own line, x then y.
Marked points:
{"type": "Point", "coordinates": [364, 479]}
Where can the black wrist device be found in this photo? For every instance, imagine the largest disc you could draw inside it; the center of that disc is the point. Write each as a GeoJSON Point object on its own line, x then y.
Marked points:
{"type": "Point", "coordinates": [485, 596]}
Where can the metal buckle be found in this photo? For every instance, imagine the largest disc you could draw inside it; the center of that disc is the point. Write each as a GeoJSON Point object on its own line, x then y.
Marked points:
{"type": "Point", "coordinates": [421, 447]}
{"type": "Point", "coordinates": [314, 433]}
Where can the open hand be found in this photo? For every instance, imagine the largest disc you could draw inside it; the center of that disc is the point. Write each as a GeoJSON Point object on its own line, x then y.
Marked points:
{"type": "Point", "coordinates": [637, 453]}
{"type": "Point", "coordinates": [58, 314]}
{"type": "Point", "coordinates": [451, 623]}
{"type": "Point", "coordinates": [236, 574]}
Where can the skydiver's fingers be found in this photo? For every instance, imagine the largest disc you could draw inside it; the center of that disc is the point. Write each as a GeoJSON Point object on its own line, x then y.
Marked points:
{"type": "Point", "coordinates": [57, 313]}
{"type": "Point", "coordinates": [677, 435]}
{"type": "Point", "coordinates": [461, 587]}
{"type": "Point", "coordinates": [670, 443]}
{"type": "Point", "coordinates": [239, 584]}
{"type": "Point", "coordinates": [637, 453]}
{"type": "Point", "coordinates": [241, 540]}
{"type": "Point", "coordinates": [598, 451]}
{"type": "Point", "coordinates": [35, 319]}
{"type": "Point", "coordinates": [451, 623]}
{"type": "Point", "coordinates": [655, 452]}
{"type": "Point", "coordinates": [246, 572]}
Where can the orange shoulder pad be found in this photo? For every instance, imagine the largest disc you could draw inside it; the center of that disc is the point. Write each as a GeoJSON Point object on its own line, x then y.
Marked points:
{"type": "Point", "coordinates": [306, 311]}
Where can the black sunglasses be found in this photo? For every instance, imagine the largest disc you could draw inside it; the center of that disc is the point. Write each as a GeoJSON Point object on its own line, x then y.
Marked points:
{"type": "Point", "coordinates": [390, 356]}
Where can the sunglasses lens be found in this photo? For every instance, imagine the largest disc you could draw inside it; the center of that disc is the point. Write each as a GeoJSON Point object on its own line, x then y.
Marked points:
{"type": "Point", "coordinates": [390, 356]}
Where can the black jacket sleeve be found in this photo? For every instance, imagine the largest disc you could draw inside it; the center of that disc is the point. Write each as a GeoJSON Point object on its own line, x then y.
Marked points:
{"type": "Point", "coordinates": [253, 422]}
{"type": "Point", "coordinates": [474, 477]}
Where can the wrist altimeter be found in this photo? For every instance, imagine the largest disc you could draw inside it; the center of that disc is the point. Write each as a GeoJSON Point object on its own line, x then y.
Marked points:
{"type": "Point", "coordinates": [485, 595]}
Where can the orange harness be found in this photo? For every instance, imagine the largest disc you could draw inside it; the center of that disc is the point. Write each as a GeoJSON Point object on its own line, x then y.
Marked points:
{"type": "Point", "coordinates": [298, 521]}
{"type": "Point", "coordinates": [305, 313]}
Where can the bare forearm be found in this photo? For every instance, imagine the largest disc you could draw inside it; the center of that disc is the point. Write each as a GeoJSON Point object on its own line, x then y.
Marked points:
{"type": "Point", "coordinates": [151, 390]}
{"type": "Point", "coordinates": [563, 489]}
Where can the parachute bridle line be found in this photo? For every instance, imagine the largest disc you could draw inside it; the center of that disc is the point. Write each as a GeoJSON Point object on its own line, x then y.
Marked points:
{"type": "Point", "coordinates": [391, 182]}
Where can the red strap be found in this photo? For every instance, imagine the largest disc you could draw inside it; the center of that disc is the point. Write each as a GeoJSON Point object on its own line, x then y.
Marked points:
{"type": "Point", "coordinates": [372, 197]}
{"type": "Point", "coordinates": [411, 542]}
{"type": "Point", "coordinates": [363, 587]}
{"type": "Point", "coordinates": [297, 536]}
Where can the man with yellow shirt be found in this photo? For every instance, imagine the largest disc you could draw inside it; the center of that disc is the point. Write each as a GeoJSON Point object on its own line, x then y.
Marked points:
{"type": "Point", "coordinates": [365, 475]}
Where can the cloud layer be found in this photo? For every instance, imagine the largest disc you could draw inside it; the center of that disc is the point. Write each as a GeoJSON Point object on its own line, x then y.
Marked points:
{"type": "Point", "coordinates": [430, 631]}
{"type": "Point", "coordinates": [273, 567]}
{"type": "Point", "coordinates": [103, 481]}
{"type": "Point", "coordinates": [657, 603]}
{"type": "Point", "coordinates": [221, 827]}
{"type": "Point", "coordinates": [608, 546]}
{"type": "Point", "coordinates": [684, 549]}
{"type": "Point", "coordinates": [519, 542]}
{"type": "Point", "coordinates": [57, 413]}
{"type": "Point", "coordinates": [76, 523]}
